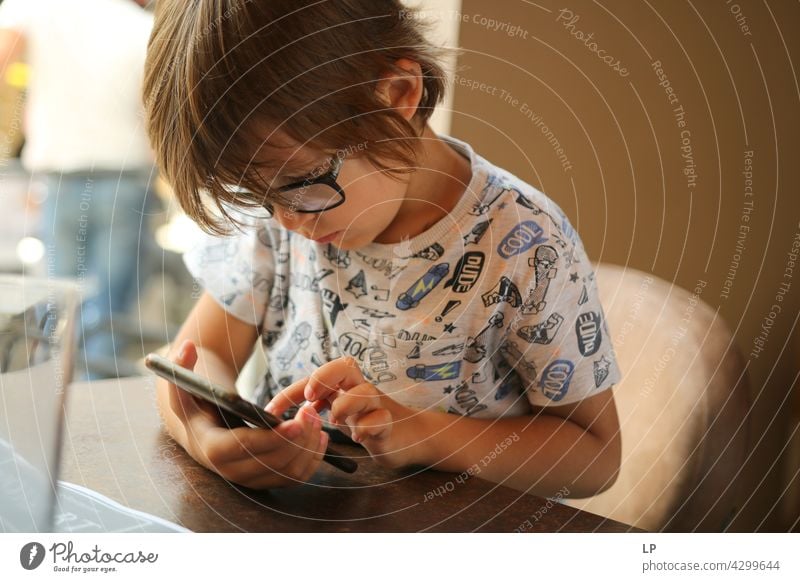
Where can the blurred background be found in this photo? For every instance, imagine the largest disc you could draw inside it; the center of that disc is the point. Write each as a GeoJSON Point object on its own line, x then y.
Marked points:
{"type": "Point", "coordinates": [667, 131]}
{"type": "Point", "coordinates": [80, 196]}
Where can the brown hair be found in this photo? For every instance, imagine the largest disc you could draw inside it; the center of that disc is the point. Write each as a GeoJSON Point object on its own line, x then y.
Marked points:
{"type": "Point", "coordinates": [222, 74]}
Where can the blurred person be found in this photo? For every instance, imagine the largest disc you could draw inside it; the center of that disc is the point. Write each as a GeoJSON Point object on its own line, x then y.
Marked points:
{"type": "Point", "coordinates": [85, 141]}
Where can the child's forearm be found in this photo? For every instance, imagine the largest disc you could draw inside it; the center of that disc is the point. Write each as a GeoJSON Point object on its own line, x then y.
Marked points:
{"type": "Point", "coordinates": [216, 369]}
{"type": "Point", "coordinates": [540, 454]}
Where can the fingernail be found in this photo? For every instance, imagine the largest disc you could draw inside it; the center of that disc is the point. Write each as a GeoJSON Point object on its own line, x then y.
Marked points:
{"type": "Point", "coordinates": [324, 438]}
{"type": "Point", "coordinates": [183, 350]}
{"type": "Point", "coordinates": [309, 393]}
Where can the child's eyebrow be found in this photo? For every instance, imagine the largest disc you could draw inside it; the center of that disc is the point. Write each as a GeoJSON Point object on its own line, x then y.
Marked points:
{"type": "Point", "coordinates": [305, 169]}
{"type": "Point", "coordinates": [289, 170]}
{"type": "Point", "coordinates": [272, 176]}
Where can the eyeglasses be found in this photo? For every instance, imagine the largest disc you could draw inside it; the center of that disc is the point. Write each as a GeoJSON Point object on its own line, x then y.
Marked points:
{"type": "Point", "coordinates": [310, 195]}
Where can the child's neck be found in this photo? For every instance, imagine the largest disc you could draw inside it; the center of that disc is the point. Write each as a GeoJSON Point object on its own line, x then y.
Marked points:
{"type": "Point", "coordinates": [433, 190]}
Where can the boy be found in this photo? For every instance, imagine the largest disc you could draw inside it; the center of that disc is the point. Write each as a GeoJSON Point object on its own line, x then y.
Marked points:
{"type": "Point", "coordinates": [433, 304]}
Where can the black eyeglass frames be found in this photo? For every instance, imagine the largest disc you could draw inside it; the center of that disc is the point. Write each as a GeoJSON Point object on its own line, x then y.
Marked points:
{"type": "Point", "coordinates": [310, 195]}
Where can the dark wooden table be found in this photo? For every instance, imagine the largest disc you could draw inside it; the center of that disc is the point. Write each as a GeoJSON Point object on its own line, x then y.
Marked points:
{"type": "Point", "coordinates": [115, 444]}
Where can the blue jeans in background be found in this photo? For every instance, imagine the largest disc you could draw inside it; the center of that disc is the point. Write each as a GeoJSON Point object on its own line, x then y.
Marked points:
{"type": "Point", "coordinates": [96, 229]}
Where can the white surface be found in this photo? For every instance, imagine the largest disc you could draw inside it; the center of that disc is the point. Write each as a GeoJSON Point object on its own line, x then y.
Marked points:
{"type": "Point", "coordinates": [87, 62]}
{"type": "Point", "coordinates": [30, 412]}
{"type": "Point", "coordinates": [15, 299]}
{"type": "Point", "coordinates": [86, 511]}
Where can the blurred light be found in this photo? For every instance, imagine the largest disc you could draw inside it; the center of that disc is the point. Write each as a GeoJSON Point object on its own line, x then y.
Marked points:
{"type": "Point", "coordinates": [178, 235]}
{"type": "Point", "coordinates": [17, 75]}
{"type": "Point", "coordinates": [30, 250]}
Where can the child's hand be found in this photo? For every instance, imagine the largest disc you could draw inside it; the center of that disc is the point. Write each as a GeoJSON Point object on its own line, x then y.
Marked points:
{"type": "Point", "coordinates": [252, 457]}
{"type": "Point", "coordinates": [382, 425]}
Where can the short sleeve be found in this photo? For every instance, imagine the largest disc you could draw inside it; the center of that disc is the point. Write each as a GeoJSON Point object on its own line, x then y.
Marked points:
{"type": "Point", "coordinates": [561, 345]}
{"type": "Point", "coordinates": [17, 14]}
{"type": "Point", "coordinates": [238, 271]}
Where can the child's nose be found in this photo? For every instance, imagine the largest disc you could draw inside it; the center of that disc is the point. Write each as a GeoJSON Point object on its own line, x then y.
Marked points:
{"type": "Point", "coordinates": [291, 220]}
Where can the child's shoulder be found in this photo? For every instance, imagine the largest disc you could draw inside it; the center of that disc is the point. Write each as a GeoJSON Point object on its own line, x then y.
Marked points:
{"type": "Point", "coordinates": [502, 200]}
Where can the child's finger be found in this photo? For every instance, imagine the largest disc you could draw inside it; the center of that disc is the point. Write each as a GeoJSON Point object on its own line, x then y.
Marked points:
{"type": "Point", "coordinates": [242, 454]}
{"type": "Point", "coordinates": [298, 462]}
{"type": "Point", "coordinates": [328, 380]}
{"type": "Point", "coordinates": [359, 400]}
{"type": "Point", "coordinates": [251, 442]}
{"type": "Point", "coordinates": [290, 396]}
{"type": "Point", "coordinates": [182, 403]}
{"type": "Point", "coordinates": [307, 462]}
{"type": "Point", "coordinates": [376, 424]}
{"type": "Point", "coordinates": [187, 355]}
{"type": "Point", "coordinates": [302, 463]}
{"type": "Point", "coordinates": [316, 458]}
{"type": "Point", "coordinates": [254, 460]}
{"type": "Point", "coordinates": [320, 405]}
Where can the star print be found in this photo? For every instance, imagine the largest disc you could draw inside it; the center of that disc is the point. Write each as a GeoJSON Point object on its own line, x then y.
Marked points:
{"type": "Point", "coordinates": [501, 206]}
{"type": "Point", "coordinates": [449, 328]}
{"type": "Point", "coordinates": [448, 390]}
{"type": "Point", "coordinates": [574, 277]}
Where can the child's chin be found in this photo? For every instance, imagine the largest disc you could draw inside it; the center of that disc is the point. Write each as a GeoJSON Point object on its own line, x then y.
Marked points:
{"type": "Point", "coordinates": [349, 242]}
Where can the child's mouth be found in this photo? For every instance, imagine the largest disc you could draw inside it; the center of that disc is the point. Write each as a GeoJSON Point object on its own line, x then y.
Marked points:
{"type": "Point", "coordinates": [328, 238]}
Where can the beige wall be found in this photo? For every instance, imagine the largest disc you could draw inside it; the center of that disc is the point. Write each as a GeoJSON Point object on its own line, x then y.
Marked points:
{"type": "Point", "coordinates": [443, 29]}
{"type": "Point", "coordinates": [619, 173]}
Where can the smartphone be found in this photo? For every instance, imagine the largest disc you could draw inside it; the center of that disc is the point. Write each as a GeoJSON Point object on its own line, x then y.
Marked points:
{"type": "Point", "coordinates": [229, 403]}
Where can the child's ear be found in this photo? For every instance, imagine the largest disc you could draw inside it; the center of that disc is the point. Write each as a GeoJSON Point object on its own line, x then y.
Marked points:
{"type": "Point", "coordinates": [401, 89]}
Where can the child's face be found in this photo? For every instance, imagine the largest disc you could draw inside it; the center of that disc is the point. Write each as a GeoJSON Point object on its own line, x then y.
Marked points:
{"type": "Point", "coordinates": [372, 201]}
